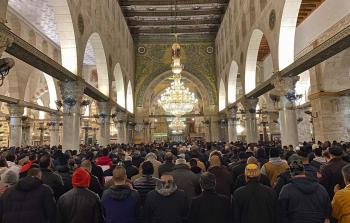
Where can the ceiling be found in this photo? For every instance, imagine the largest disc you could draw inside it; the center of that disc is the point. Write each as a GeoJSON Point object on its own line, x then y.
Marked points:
{"type": "Point", "coordinates": [40, 14]}
{"type": "Point", "coordinates": [161, 17]}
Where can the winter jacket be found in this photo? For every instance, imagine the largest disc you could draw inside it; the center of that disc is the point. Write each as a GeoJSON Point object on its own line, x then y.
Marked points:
{"type": "Point", "coordinates": [341, 205]}
{"type": "Point", "coordinates": [210, 207]}
{"type": "Point", "coordinates": [166, 204]}
{"type": "Point", "coordinates": [237, 169]}
{"type": "Point", "coordinates": [79, 205]}
{"type": "Point", "coordinates": [255, 203]}
{"type": "Point", "coordinates": [98, 172]}
{"type": "Point", "coordinates": [54, 181]}
{"type": "Point", "coordinates": [186, 180]}
{"type": "Point", "coordinates": [304, 201]}
{"type": "Point", "coordinates": [224, 182]}
{"type": "Point", "coordinates": [28, 201]}
{"type": "Point", "coordinates": [318, 162]}
{"type": "Point", "coordinates": [165, 168]}
{"type": "Point", "coordinates": [241, 181]}
{"type": "Point", "coordinates": [145, 184]}
{"type": "Point", "coordinates": [331, 175]}
{"type": "Point", "coordinates": [121, 205]}
{"type": "Point", "coordinates": [131, 170]}
{"type": "Point", "coordinates": [95, 185]}
{"type": "Point", "coordinates": [66, 176]}
{"type": "Point", "coordinates": [104, 161]}
{"type": "Point", "coordinates": [274, 168]}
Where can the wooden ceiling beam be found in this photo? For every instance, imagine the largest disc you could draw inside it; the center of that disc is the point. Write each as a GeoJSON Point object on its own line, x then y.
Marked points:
{"type": "Point", "coordinates": [171, 13]}
{"type": "Point", "coordinates": [132, 23]}
{"type": "Point", "coordinates": [169, 2]}
{"type": "Point", "coordinates": [179, 30]}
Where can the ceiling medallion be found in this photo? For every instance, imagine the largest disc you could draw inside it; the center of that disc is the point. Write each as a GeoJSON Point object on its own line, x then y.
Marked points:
{"type": "Point", "coordinates": [272, 19]}
{"type": "Point", "coordinates": [141, 50]}
{"type": "Point", "coordinates": [210, 50]}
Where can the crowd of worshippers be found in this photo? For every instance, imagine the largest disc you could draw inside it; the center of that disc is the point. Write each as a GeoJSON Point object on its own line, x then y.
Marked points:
{"type": "Point", "coordinates": [176, 183]}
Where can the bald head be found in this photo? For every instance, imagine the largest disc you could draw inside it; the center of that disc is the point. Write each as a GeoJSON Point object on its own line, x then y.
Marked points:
{"type": "Point", "coordinates": [166, 177]}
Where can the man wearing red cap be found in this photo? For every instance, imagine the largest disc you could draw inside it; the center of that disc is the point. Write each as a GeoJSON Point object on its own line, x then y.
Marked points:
{"type": "Point", "coordinates": [79, 204]}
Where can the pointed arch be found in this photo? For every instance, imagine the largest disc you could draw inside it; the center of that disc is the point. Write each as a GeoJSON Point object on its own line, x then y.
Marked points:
{"type": "Point", "coordinates": [287, 32]}
{"type": "Point", "coordinates": [232, 83]}
{"type": "Point", "coordinates": [119, 85]}
{"type": "Point", "coordinates": [129, 98]}
{"type": "Point", "coordinates": [222, 96]}
{"type": "Point", "coordinates": [251, 61]}
{"type": "Point", "coordinates": [101, 62]}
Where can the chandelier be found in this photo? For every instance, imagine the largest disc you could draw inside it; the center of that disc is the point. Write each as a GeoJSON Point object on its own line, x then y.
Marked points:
{"type": "Point", "coordinates": [177, 126]}
{"type": "Point", "coordinates": [177, 99]}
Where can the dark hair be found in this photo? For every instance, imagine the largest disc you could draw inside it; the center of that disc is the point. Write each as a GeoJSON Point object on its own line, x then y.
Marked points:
{"type": "Point", "coordinates": [45, 161]}
{"type": "Point", "coordinates": [193, 162]}
{"type": "Point", "coordinates": [147, 168]}
{"type": "Point", "coordinates": [207, 181]}
{"type": "Point", "coordinates": [346, 172]}
{"type": "Point", "coordinates": [274, 152]}
{"type": "Point", "coordinates": [105, 152]}
{"type": "Point", "coordinates": [318, 151]}
{"type": "Point", "coordinates": [3, 162]}
{"type": "Point", "coordinates": [11, 157]}
{"type": "Point", "coordinates": [33, 172]}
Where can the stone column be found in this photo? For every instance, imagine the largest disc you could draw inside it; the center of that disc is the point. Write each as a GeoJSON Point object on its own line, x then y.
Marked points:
{"type": "Point", "coordinates": [42, 131]}
{"type": "Point", "coordinates": [215, 128]}
{"type": "Point", "coordinates": [72, 93]}
{"type": "Point", "coordinates": [122, 127]}
{"type": "Point", "coordinates": [231, 125]}
{"type": "Point", "coordinates": [105, 111]}
{"type": "Point", "coordinates": [27, 130]}
{"type": "Point", "coordinates": [54, 131]}
{"type": "Point", "coordinates": [285, 89]}
{"type": "Point", "coordinates": [249, 105]}
{"type": "Point", "coordinates": [16, 112]}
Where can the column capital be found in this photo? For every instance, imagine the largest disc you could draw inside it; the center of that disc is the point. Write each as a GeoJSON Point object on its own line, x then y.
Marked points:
{"type": "Point", "coordinates": [104, 107]}
{"type": "Point", "coordinates": [231, 113]}
{"type": "Point", "coordinates": [72, 91]}
{"type": "Point", "coordinates": [284, 85]}
{"type": "Point", "coordinates": [249, 104]}
{"type": "Point", "coordinates": [15, 110]}
{"type": "Point", "coordinates": [6, 39]}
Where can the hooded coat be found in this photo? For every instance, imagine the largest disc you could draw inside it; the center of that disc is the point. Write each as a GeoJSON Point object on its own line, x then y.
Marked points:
{"type": "Point", "coordinates": [166, 204]}
{"type": "Point", "coordinates": [121, 205]}
{"type": "Point", "coordinates": [255, 203]}
{"type": "Point", "coordinates": [304, 200]}
{"type": "Point", "coordinates": [29, 201]}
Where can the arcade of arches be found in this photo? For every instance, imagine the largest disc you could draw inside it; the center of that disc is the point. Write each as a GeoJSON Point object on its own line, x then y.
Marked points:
{"type": "Point", "coordinates": [92, 71]}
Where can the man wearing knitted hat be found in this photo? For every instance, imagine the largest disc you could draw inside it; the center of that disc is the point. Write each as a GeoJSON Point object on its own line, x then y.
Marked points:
{"type": "Point", "coordinates": [79, 204]}
{"type": "Point", "coordinates": [209, 206]}
{"type": "Point", "coordinates": [303, 199]}
{"type": "Point", "coordinates": [254, 202]}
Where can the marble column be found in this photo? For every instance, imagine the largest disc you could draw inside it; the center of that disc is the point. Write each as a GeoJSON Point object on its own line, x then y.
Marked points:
{"type": "Point", "coordinates": [16, 112]}
{"type": "Point", "coordinates": [249, 105]}
{"type": "Point", "coordinates": [105, 111]}
{"type": "Point", "coordinates": [27, 130]}
{"type": "Point", "coordinates": [215, 128]}
{"type": "Point", "coordinates": [285, 89]}
{"type": "Point", "coordinates": [54, 131]}
{"type": "Point", "coordinates": [72, 93]}
{"type": "Point", "coordinates": [231, 125]}
{"type": "Point", "coordinates": [122, 127]}
{"type": "Point", "coordinates": [42, 131]}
